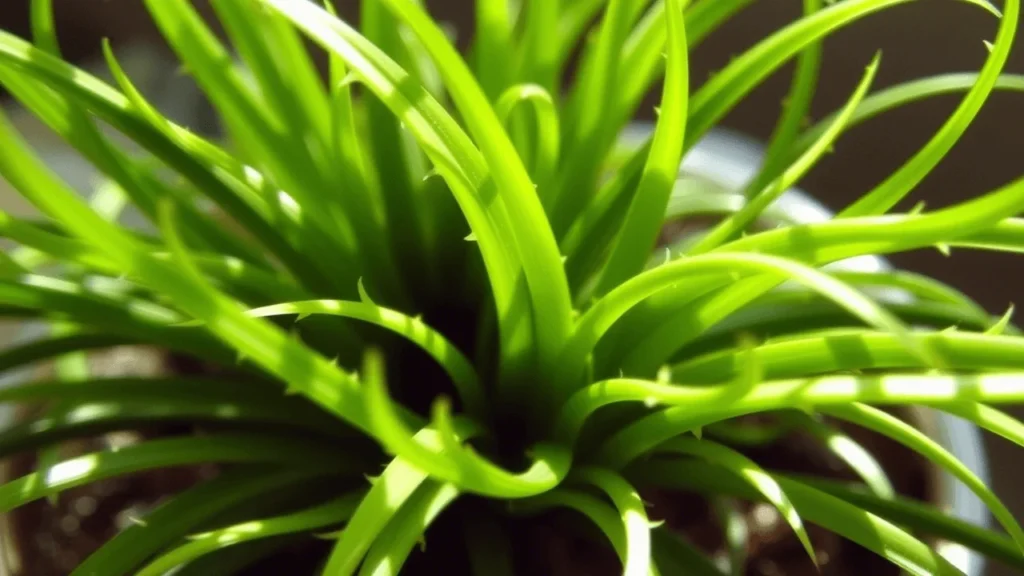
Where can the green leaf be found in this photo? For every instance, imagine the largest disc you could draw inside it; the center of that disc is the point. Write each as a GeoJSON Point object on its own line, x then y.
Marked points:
{"type": "Point", "coordinates": [191, 156]}
{"type": "Point", "coordinates": [390, 550]}
{"type": "Point", "coordinates": [926, 519]}
{"type": "Point", "coordinates": [299, 367]}
{"type": "Point", "coordinates": [120, 315]}
{"type": "Point", "coordinates": [640, 229]}
{"type": "Point", "coordinates": [750, 472]}
{"type": "Point", "coordinates": [776, 186]}
{"type": "Point", "coordinates": [548, 129]}
{"type": "Point", "coordinates": [856, 349]}
{"type": "Point", "coordinates": [413, 329]}
{"type": "Point", "coordinates": [695, 406]}
{"type": "Point", "coordinates": [990, 419]}
{"type": "Point", "coordinates": [727, 87]}
{"type": "Point", "coordinates": [573, 22]}
{"type": "Point", "coordinates": [538, 54]}
{"type": "Point", "coordinates": [596, 321]}
{"type": "Point", "coordinates": [457, 464]}
{"type": "Point", "coordinates": [606, 518]}
{"type": "Point", "coordinates": [17, 356]}
{"type": "Point", "coordinates": [398, 164]}
{"type": "Point", "coordinates": [220, 448]}
{"type": "Point", "coordinates": [843, 518]}
{"type": "Point", "coordinates": [1004, 322]}
{"type": "Point", "coordinates": [796, 110]}
{"type": "Point", "coordinates": [174, 519]}
{"type": "Point", "coordinates": [894, 428]}
{"type": "Point", "coordinates": [898, 184]}
{"type": "Point", "coordinates": [633, 516]}
{"type": "Point", "coordinates": [88, 419]}
{"type": "Point", "coordinates": [829, 242]}
{"type": "Point", "coordinates": [897, 96]}
{"type": "Point", "coordinates": [862, 462]}
{"type": "Point", "coordinates": [233, 559]}
{"type": "Point", "coordinates": [449, 148]}
{"type": "Point", "coordinates": [493, 47]}
{"type": "Point", "coordinates": [675, 555]}
{"type": "Point", "coordinates": [264, 136]}
{"type": "Point", "coordinates": [587, 126]}
{"type": "Point", "coordinates": [328, 514]}
{"type": "Point", "coordinates": [390, 492]}
{"type": "Point", "coordinates": [643, 53]}
{"type": "Point", "coordinates": [528, 224]}
{"type": "Point", "coordinates": [44, 29]}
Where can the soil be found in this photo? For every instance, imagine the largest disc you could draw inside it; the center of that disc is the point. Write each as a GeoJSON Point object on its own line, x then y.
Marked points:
{"type": "Point", "coordinates": [51, 539]}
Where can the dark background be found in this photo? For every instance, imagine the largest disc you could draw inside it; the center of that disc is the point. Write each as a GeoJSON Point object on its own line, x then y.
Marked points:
{"type": "Point", "coordinates": [918, 39]}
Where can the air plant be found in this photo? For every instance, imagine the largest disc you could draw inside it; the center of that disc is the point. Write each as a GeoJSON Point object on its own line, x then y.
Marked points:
{"type": "Point", "coordinates": [419, 281]}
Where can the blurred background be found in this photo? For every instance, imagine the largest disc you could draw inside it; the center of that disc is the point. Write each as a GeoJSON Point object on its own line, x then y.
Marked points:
{"type": "Point", "coordinates": [916, 39]}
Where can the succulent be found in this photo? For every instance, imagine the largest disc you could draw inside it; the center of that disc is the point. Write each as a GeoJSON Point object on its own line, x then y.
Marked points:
{"type": "Point", "coordinates": [431, 300]}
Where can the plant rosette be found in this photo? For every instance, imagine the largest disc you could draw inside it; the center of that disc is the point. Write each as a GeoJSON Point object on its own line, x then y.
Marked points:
{"type": "Point", "coordinates": [429, 327]}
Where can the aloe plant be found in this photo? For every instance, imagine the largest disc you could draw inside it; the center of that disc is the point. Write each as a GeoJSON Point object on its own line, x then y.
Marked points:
{"type": "Point", "coordinates": [430, 283]}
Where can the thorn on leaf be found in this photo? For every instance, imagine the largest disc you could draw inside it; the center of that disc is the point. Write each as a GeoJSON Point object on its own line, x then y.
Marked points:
{"type": "Point", "coordinates": [664, 375]}
{"type": "Point", "coordinates": [364, 297]}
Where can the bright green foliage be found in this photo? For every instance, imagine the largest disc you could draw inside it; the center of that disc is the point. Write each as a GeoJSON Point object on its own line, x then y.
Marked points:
{"type": "Point", "coordinates": [489, 329]}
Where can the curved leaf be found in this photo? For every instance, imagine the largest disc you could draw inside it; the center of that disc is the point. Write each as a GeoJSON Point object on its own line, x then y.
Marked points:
{"type": "Point", "coordinates": [905, 434]}
{"type": "Point", "coordinates": [527, 225]}
{"type": "Point", "coordinates": [631, 509]}
{"type": "Point", "coordinates": [750, 472]}
{"type": "Point", "coordinates": [898, 184]}
{"type": "Point", "coordinates": [776, 186]}
{"type": "Point", "coordinates": [900, 95]}
{"type": "Point", "coordinates": [192, 157]}
{"type": "Point", "coordinates": [990, 419]}
{"type": "Point", "coordinates": [389, 494]}
{"type": "Point", "coordinates": [640, 228]}
{"type": "Point", "coordinates": [389, 551]}
{"type": "Point", "coordinates": [862, 462]}
{"type": "Point", "coordinates": [695, 406]}
{"type": "Point", "coordinates": [856, 349]}
{"type": "Point", "coordinates": [174, 519]}
{"type": "Point", "coordinates": [796, 108]}
{"type": "Point", "coordinates": [221, 448]}
{"type": "Point", "coordinates": [473, 473]}
{"type": "Point", "coordinates": [728, 86]}
{"type": "Point", "coordinates": [596, 321]}
{"type": "Point", "coordinates": [549, 139]}
{"type": "Point", "coordinates": [413, 329]}
{"type": "Point", "coordinates": [843, 518]}
{"type": "Point", "coordinates": [602, 515]}
{"type": "Point", "coordinates": [330, 513]}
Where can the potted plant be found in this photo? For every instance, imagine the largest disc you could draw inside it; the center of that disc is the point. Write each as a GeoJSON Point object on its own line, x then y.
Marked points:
{"type": "Point", "coordinates": [411, 320]}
